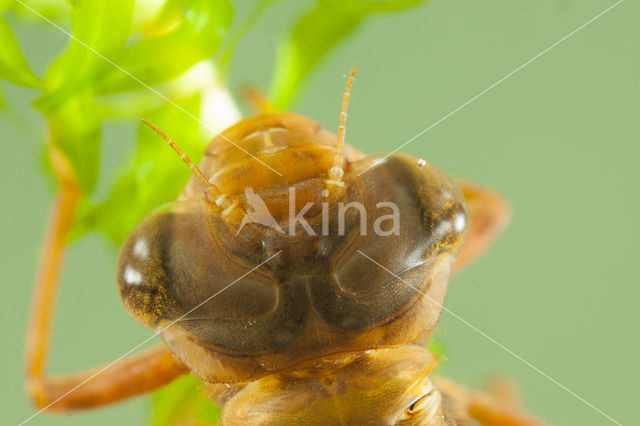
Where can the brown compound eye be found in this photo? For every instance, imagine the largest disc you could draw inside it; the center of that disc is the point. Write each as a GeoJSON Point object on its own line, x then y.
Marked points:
{"type": "Point", "coordinates": [173, 268]}
{"type": "Point", "coordinates": [377, 273]}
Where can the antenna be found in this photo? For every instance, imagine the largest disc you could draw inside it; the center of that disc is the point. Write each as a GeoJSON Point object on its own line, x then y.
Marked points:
{"type": "Point", "coordinates": [212, 190]}
{"type": "Point", "coordinates": [336, 172]}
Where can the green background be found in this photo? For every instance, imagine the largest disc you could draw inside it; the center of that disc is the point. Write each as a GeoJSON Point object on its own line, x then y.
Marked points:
{"type": "Point", "coordinates": [559, 139]}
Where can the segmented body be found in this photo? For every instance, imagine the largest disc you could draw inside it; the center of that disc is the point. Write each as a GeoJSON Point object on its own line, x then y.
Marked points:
{"type": "Point", "coordinates": [319, 296]}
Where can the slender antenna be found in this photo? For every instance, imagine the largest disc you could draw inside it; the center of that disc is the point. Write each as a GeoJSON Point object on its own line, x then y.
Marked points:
{"type": "Point", "coordinates": [212, 190]}
{"type": "Point", "coordinates": [336, 172]}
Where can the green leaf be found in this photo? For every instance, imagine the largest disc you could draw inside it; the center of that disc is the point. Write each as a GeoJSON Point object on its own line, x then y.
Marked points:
{"type": "Point", "coordinates": [439, 349]}
{"type": "Point", "coordinates": [170, 16]}
{"type": "Point", "coordinates": [165, 55]}
{"type": "Point", "coordinates": [13, 66]}
{"type": "Point", "coordinates": [315, 34]}
{"type": "Point", "coordinates": [182, 401]}
{"type": "Point", "coordinates": [155, 176]}
{"type": "Point", "coordinates": [100, 29]}
{"type": "Point", "coordinates": [74, 128]}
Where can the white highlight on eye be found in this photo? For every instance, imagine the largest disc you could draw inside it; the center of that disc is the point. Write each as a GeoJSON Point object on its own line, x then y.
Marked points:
{"type": "Point", "coordinates": [141, 248]}
{"type": "Point", "coordinates": [460, 222]}
{"type": "Point", "coordinates": [131, 276]}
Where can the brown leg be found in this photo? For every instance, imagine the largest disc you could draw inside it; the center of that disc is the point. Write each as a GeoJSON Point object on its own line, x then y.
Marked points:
{"type": "Point", "coordinates": [122, 379]}
{"type": "Point", "coordinates": [258, 101]}
{"type": "Point", "coordinates": [485, 408]}
{"type": "Point", "coordinates": [505, 391]}
{"type": "Point", "coordinates": [127, 378]}
{"type": "Point", "coordinates": [488, 215]}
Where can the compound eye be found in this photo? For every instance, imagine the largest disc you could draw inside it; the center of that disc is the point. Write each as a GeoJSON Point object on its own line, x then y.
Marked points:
{"type": "Point", "coordinates": [379, 273]}
{"type": "Point", "coordinates": [142, 278]}
{"type": "Point", "coordinates": [176, 276]}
